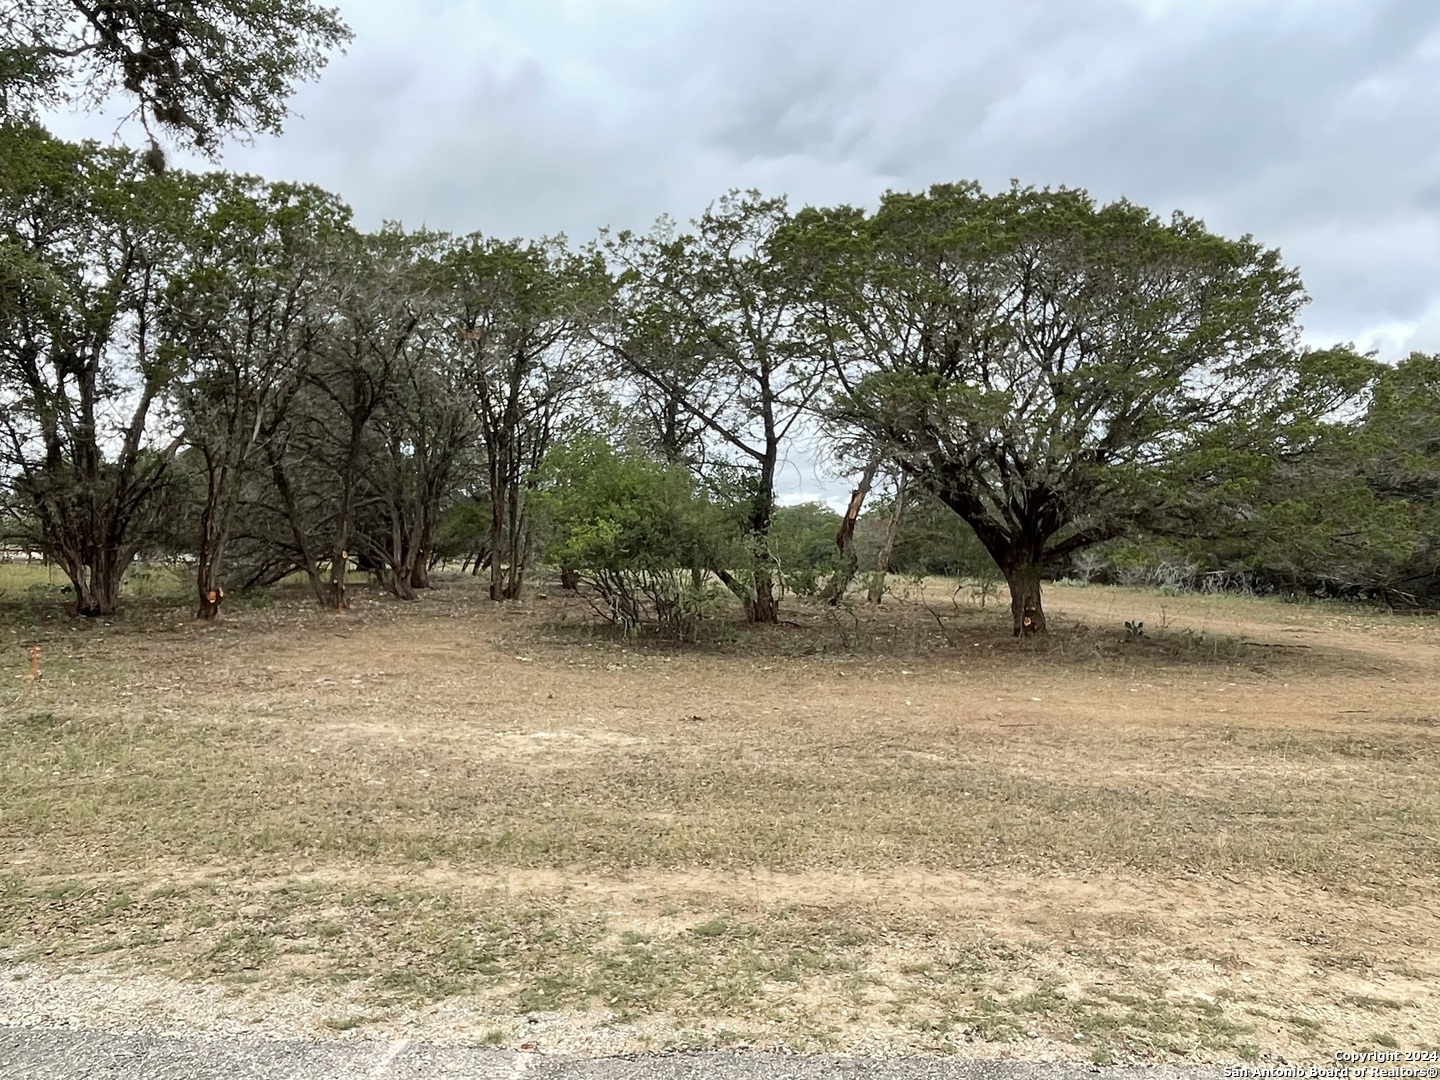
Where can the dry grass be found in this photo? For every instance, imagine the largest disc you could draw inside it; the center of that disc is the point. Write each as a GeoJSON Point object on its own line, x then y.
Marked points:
{"type": "Point", "coordinates": [875, 830]}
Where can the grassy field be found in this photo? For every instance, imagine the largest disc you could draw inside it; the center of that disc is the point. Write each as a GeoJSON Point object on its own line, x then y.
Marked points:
{"type": "Point", "coordinates": [875, 830]}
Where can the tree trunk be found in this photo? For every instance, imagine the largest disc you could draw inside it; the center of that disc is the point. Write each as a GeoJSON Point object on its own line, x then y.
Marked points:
{"type": "Point", "coordinates": [97, 585]}
{"type": "Point", "coordinates": [497, 538]}
{"type": "Point", "coordinates": [834, 590]}
{"type": "Point", "coordinates": [338, 568]}
{"type": "Point", "coordinates": [764, 608]}
{"type": "Point", "coordinates": [291, 506]}
{"type": "Point", "coordinates": [1025, 606]}
{"type": "Point", "coordinates": [207, 584]}
{"type": "Point", "coordinates": [518, 541]}
{"type": "Point", "coordinates": [761, 606]}
{"type": "Point", "coordinates": [887, 546]}
{"type": "Point", "coordinates": [215, 522]}
{"type": "Point", "coordinates": [210, 602]}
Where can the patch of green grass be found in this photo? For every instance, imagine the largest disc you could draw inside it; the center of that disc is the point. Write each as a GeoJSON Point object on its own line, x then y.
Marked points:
{"type": "Point", "coordinates": [42, 721]}
{"type": "Point", "coordinates": [1044, 1001]}
{"type": "Point", "coordinates": [1374, 1004]}
{"type": "Point", "coordinates": [239, 949]}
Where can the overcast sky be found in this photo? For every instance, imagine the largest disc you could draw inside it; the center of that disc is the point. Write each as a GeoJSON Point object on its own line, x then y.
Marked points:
{"type": "Point", "coordinates": [1313, 124]}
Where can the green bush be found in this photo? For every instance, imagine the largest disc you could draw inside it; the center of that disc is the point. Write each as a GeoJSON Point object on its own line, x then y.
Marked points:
{"type": "Point", "coordinates": [637, 535]}
{"type": "Point", "coordinates": [802, 544]}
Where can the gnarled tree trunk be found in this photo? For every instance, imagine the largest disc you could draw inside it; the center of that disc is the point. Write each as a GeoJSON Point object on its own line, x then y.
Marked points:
{"type": "Point", "coordinates": [1025, 606]}
{"type": "Point", "coordinates": [834, 590]}
{"type": "Point", "coordinates": [763, 608]}
{"type": "Point", "coordinates": [96, 580]}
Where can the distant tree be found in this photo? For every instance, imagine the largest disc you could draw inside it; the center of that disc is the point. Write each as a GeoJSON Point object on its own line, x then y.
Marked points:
{"type": "Point", "coordinates": [932, 539]}
{"type": "Point", "coordinates": [1402, 431]}
{"type": "Point", "coordinates": [802, 541]}
{"type": "Point", "coordinates": [424, 432]}
{"type": "Point", "coordinates": [89, 243]}
{"type": "Point", "coordinates": [1315, 514]}
{"type": "Point", "coordinates": [380, 301]}
{"type": "Point", "coordinates": [1400, 442]}
{"type": "Point", "coordinates": [202, 71]}
{"type": "Point", "coordinates": [463, 531]}
{"type": "Point", "coordinates": [518, 315]}
{"type": "Point", "coordinates": [709, 321]}
{"type": "Point", "coordinates": [1058, 373]}
{"type": "Point", "coordinates": [247, 311]}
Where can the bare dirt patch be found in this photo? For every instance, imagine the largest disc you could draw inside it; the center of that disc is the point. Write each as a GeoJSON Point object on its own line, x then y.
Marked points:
{"type": "Point", "coordinates": [873, 831]}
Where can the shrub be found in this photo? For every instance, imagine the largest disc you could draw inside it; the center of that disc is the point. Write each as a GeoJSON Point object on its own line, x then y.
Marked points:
{"type": "Point", "coordinates": [636, 535]}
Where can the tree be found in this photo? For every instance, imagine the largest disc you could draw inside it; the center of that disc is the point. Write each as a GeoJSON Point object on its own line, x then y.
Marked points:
{"type": "Point", "coordinates": [380, 300]}
{"type": "Point", "coordinates": [89, 242]}
{"type": "Point", "coordinates": [247, 313]}
{"type": "Point", "coordinates": [876, 590]}
{"type": "Point", "coordinates": [519, 314]}
{"type": "Point", "coordinates": [1058, 373]}
{"type": "Point", "coordinates": [848, 561]}
{"type": "Point", "coordinates": [1400, 444]}
{"type": "Point", "coordinates": [637, 533]}
{"type": "Point", "coordinates": [802, 539]}
{"type": "Point", "coordinates": [932, 539]}
{"type": "Point", "coordinates": [203, 71]}
{"type": "Point", "coordinates": [424, 430]}
{"type": "Point", "coordinates": [710, 321]}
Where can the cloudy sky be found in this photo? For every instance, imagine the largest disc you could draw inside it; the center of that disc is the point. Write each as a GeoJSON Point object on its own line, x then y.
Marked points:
{"type": "Point", "coordinates": [1313, 124]}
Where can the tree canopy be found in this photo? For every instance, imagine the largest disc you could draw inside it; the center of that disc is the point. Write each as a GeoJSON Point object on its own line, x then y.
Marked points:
{"type": "Point", "coordinates": [229, 372]}
{"type": "Point", "coordinates": [1057, 372]}
{"type": "Point", "coordinates": [203, 73]}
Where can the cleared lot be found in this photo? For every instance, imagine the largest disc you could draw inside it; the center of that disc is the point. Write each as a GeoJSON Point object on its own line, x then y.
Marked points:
{"type": "Point", "coordinates": [878, 831]}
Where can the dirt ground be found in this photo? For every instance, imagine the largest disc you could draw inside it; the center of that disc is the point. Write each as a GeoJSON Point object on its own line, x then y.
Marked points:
{"type": "Point", "coordinates": [873, 831]}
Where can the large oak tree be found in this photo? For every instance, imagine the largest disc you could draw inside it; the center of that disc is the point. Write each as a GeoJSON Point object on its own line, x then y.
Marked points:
{"type": "Point", "coordinates": [1055, 371]}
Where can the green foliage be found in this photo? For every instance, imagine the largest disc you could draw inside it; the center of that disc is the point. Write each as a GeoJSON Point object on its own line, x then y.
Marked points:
{"type": "Point", "coordinates": [1347, 509]}
{"type": "Point", "coordinates": [932, 540]}
{"type": "Point", "coordinates": [1065, 385]}
{"type": "Point", "coordinates": [1060, 373]}
{"type": "Point", "coordinates": [204, 71]}
{"type": "Point", "coordinates": [802, 544]}
{"type": "Point", "coordinates": [91, 240]}
{"type": "Point", "coordinates": [639, 534]}
{"type": "Point", "coordinates": [464, 528]}
{"type": "Point", "coordinates": [1359, 515]}
{"type": "Point", "coordinates": [519, 312]}
{"type": "Point", "coordinates": [709, 324]}
{"type": "Point", "coordinates": [1406, 463]}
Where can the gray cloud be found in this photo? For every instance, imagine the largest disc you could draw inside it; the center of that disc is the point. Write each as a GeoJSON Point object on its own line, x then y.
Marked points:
{"type": "Point", "coordinates": [1309, 123]}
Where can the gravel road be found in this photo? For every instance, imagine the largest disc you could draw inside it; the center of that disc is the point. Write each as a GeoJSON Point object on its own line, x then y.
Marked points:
{"type": "Point", "coordinates": [82, 1054]}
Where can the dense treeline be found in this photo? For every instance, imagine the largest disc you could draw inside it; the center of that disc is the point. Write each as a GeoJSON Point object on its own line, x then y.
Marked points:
{"type": "Point", "coordinates": [228, 370]}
